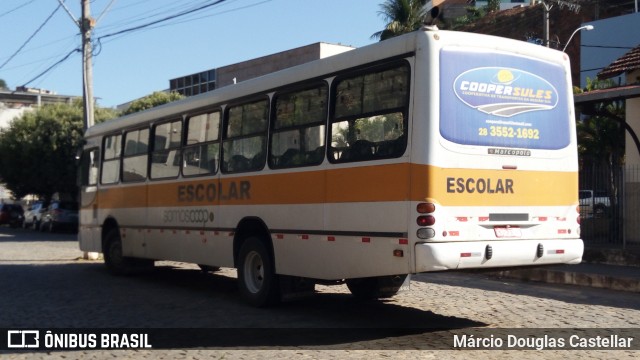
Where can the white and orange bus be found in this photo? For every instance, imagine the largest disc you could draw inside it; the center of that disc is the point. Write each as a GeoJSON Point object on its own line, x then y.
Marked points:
{"type": "Point", "coordinates": [432, 151]}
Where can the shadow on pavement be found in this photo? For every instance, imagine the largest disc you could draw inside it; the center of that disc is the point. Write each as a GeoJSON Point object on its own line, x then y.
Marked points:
{"type": "Point", "coordinates": [188, 308]}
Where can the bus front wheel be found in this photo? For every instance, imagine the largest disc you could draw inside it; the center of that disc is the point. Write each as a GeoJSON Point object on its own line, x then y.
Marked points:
{"type": "Point", "coordinates": [372, 288]}
{"type": "Point", "coordinates": [116, 262]}
{"type": "Point", "coordinates": [257, 280]}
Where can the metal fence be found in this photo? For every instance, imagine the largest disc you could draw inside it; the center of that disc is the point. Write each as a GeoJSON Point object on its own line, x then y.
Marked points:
{"type": "Point", "coordinates": [610, 206]}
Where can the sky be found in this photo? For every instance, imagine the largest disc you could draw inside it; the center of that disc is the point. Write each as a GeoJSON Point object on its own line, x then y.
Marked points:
{"type": "Point", "coordinates": [131, 64]}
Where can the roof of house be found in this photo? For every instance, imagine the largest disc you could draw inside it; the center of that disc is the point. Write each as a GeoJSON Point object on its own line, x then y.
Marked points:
{"type": "Point", "coordinates": [627, 63]}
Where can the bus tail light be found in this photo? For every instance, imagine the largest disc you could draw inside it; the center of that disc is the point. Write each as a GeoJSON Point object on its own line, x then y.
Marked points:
{"type": "Point", "coordinates": [426, 220]}
{"type": "Point", "coordinates": [426, 208]}
{"type": "Point", "coordinates": [578, 211]}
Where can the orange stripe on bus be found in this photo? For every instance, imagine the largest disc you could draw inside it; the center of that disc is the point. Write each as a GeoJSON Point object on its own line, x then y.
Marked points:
{"type": "Point", "coordinates": [474, 187]}
{"type": "Point", "coordinates": [394, 182]}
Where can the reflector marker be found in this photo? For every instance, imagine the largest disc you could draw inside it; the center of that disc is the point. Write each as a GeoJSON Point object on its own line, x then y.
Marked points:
{"type": "Point", "coordinates": [403, 241]}
{"type": "Point", "coordinates": [331, 238]}
{"type": "Point", "coordinates": [366, 240]}
{"type": "Point", "coordinates": [555, 252]}
{"type": "Point", "coordinates": [470, 254]}
{"type": "Point", "coordinates": [280, 236]}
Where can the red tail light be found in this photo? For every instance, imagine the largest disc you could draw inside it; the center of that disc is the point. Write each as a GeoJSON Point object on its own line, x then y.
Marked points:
{"type": "Point", "coordinates": [426, 220]}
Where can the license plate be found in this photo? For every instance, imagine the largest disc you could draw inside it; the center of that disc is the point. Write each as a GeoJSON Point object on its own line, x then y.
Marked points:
{"type": "Point", "coordinates": [507, 232]}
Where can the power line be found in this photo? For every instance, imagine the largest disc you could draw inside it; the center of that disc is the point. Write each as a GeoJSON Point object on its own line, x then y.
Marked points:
{"type": "Point", "coordinates": [161, 20]}
{"type": "Point", "coordinates": [608, 47]}
{"type": "Point", "coordinates": [194, 18]}
{"type": "Point", "coordinates": [16, 8]}
{"type": "Point", "coordinates": [139, 27]}
{"type": "Point", "coordinates": [52, 66]}
{"type": "Point", "coordinates": [31, 37]}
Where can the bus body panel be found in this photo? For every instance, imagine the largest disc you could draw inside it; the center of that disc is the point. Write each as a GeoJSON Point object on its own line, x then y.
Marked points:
{"type": "Point", "coordinates": [336, 221]}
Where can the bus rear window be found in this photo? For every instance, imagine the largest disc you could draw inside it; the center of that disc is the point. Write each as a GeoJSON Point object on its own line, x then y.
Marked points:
{"type": "Point", "coordinates": [502, 100]}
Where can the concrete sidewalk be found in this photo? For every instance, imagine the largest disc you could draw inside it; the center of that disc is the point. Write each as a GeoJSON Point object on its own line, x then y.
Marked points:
{"type": "Point", "coordinates": [601, 268]}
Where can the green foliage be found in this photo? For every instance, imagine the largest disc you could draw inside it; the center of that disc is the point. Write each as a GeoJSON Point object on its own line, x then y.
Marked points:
{"type": "Point", "coordinates": [601, 129]}
{"type": "Point", "coordinates": [473, 15]}
{"type": "Point", "coordinates": [402, 16]}
{"type": "Point", "coordinates": [156, 99]}
{"type": "Point", "coordinates": [37, 150]}
{"type": "Point", "coordinates": [3, 84]}
{"type": "Point", "coordinates": [493, 5]}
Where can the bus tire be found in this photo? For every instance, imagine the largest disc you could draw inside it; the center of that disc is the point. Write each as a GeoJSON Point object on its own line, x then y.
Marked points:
{"type": "Point", "coordinates": [372, 288]}
{"type": "Point", "coordinates": [116, 262]}
{"type": "Point", "coordinates": [257, 281]}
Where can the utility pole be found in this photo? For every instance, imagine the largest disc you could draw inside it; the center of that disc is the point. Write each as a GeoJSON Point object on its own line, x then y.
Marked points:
{"type": "Point", "coordinates": [545, 22]}
{"type": "Point", "coordinates": [86, 26]}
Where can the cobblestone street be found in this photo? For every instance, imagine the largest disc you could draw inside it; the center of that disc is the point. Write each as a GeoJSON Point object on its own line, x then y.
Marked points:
{"type": "Point", "coordinates": [47, 284]}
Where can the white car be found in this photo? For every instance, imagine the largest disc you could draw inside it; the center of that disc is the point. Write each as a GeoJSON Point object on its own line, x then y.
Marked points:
{"type": "Point", "coordinates": [594, 203]}
{"type": "Point", "coordinates": [33, 215]}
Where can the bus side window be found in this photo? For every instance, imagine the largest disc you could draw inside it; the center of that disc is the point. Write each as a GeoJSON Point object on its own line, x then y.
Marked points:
{"type": "Point", "coordinates": [298, 130]}
{"type": "Point", "coordinates": [136, 155]}
{"type": "Point", "coordinates": [245, 137]}
{"type": "Point", "coordinates": [202, 147]}
{"type": "Point", "coordinates": [370, 115]}
{"type": "Point", "coordinates": [165, 159]}
{"type": "Point", "coordinates": [112, 148]}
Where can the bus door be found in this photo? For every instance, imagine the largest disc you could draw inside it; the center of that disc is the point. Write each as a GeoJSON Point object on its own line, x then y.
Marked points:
{"type": "Point", "coordinates": [89, 231]}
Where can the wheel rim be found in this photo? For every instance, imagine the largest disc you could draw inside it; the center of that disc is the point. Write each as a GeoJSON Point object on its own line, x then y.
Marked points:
{"type": "Point", "coordinates": [254, 272]}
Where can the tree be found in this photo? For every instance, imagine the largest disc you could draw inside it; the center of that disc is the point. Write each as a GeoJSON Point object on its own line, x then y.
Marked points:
{"type": "Point", "coordinates": [601, 147]}
{"type": "Point", "coordinates": [156, 99]}
{"type": "Point", "coordinates": [402, 16]}
{"type": "Point", "coordinates": [38, 150]}
{"type": "Point", "coordinates": [493, 5]}
{"type": "Point", "coordinates": [601, 132]}
{"type": "Point", "coordinates": [3, 84]}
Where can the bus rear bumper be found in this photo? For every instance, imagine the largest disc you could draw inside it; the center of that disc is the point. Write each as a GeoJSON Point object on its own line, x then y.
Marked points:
{"type": "Point", "coordinates": [490, 254]}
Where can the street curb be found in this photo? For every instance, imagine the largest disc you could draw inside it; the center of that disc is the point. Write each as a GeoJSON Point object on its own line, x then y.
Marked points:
{"type": "Point", "coordinates": [572, 278]}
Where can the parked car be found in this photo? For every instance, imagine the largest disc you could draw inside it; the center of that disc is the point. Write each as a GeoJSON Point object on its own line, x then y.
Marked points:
{"type": "Point", "coordinates": [11, 214]}
{"type": "Point", "coordinates": [33, 215]}
{"type": "Point", "coordinates": [60, 215]}
{"type": "Point", "coordinates": [594, 203]}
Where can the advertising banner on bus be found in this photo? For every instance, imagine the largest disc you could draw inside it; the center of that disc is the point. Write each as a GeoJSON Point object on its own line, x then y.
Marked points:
{"type": "Point", "coordinates": [503, 100]}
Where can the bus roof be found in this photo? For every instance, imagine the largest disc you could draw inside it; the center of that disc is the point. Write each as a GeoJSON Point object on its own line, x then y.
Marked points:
{"type": "Point", "coordinates": [403, 45]}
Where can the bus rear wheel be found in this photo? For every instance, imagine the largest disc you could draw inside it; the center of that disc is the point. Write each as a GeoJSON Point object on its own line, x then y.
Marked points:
{"type": "Point", "coordinates": [257, 280]}
{"type": "Point", "coordinates": [372, 288]}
